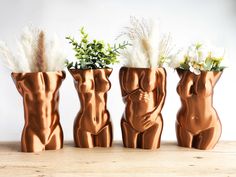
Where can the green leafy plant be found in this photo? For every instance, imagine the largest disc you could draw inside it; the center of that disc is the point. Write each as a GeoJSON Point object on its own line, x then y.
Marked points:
{"type": "Point", "coordinates": [94, 54]}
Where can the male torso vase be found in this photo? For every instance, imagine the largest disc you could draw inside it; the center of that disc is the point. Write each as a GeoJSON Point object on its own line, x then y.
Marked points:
{"type": "Point", "coordinates": [143, 91]}
{"type": "Point", "coordinates": [40, 92]}
{"type": "Point", "coordinates": [197, 124]}
{"type": "Point", "coordinates": [92, 125]}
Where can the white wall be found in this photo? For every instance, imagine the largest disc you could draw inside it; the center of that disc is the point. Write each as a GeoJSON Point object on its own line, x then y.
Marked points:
{"type": "Point", "coordinates": [187, 20]}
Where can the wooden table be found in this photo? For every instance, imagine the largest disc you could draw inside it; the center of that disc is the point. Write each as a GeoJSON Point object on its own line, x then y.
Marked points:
{"type": "Point", "coordinates": [170, 160]}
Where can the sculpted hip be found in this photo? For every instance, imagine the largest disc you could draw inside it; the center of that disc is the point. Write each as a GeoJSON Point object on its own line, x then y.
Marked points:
{"type": "Point", "coordinates": [195, 123]}
{"type": "Point", "coordinates": [91, 124]}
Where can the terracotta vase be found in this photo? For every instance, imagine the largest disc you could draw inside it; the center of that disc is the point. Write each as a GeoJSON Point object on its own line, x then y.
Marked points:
{"type": "Point", "coordinates": [197, 124]}
{"type": "Point", "coordinates": [92, 125]}
{"type": "Point", "coordinates": [143, 91]}
{"type": "Point", "coordinates": [40, 92]}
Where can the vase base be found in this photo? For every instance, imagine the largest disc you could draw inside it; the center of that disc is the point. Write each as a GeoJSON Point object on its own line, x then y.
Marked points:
{"type": "Point", "coordinates": [149, 139]}
{"type": "Point", "coordinates": [204, 140]}
{"type": "Point", "coordinates": [85, 139]}
{"type": "Point", "coordinates": [36, 141]}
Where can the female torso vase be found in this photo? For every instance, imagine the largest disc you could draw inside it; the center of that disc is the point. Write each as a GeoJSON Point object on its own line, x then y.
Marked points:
{"type": "Point", "coordinates": [92, 125]}
{"type": "Point", "coordinates": [197, 124]}
{"type": "Point", "coordinates": [40, 92]}
{"type": "Point", "coordinates": [143, 91]}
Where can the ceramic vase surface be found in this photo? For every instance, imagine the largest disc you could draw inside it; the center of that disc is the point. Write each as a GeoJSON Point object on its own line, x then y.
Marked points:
{"type": "Point", "coordinates": [143, 91]}
{"type": "Point", "coordinates": [92, 125]}
{"type": "Point", "coordinates": [198, 123]}
{"type": "Point", "coordinates": [40, 92]}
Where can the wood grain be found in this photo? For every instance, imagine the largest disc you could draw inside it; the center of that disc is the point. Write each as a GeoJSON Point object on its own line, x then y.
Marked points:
{"type": "Point", "coordinates": [169, 161]}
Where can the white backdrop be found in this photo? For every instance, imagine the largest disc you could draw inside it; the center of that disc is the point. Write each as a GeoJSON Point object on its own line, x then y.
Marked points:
{"type": "Point", "coordinates": [187, 20]}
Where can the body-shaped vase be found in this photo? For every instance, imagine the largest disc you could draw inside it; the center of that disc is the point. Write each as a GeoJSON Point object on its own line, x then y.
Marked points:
{"type": "Point", "coordinates": [143, 91]}
{"type": "Point", "coordinates": [197, 124]}
{"type": "Point", "coordinates": [92, 125]}
{"type": "Point", "coordinates": [40, 92]}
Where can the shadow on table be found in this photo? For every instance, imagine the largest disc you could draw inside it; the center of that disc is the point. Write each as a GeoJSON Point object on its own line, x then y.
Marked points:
{"type": "Point", "coordinates": [15, 146]}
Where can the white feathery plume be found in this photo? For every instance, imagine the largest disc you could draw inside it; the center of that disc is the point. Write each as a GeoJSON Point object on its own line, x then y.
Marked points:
{"type": "Point", "coordinates": [140, 60]}
{"type": "Point", "coordinates": [148, 47]}
{"type": "Point", "coordinates": [34, 53]}
{"type": "Point", "coordinates": [154, 38]}
{"type": "Point", "coordinates": [7, 58]}
{"type": "Point", "coordinates": [166, 49]}
{"type": "Point", "coordinates": [56, 58]}
{"type": "Point", "coordinates": [29, 42]}
{"type": "Point", "coordinates": [22, 59]}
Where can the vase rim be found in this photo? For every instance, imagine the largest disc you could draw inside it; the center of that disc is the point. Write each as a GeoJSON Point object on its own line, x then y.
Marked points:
{"type": "Point", "coordinates": [202, 71]}
{"type": "Point", "coordinates": [47, 72]}
{"type": "Point", "coordinates": [150, 68]}
{"type": "Point", "coordinates": [90, 69]}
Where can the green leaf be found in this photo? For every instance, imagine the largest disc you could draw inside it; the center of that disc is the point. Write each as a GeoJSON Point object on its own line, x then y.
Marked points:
{"type": "Point", "coordinates": [95, 54]}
